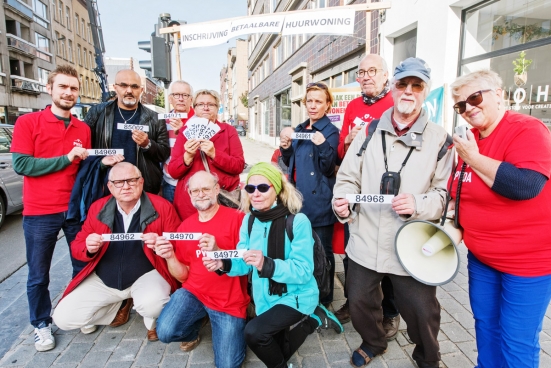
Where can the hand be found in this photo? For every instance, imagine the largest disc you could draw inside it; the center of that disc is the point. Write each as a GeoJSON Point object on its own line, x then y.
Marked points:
{"type": "Point", "coordinates": [112, 160]}
{"type": "Point", "coordinates": [207, 243]}
{"type": "Point", "coordinates": [208, 147]}
{"type": "Point", "coordinates": [318, 138]}
{"type": "Point", "coordinates": [150, 239]}
{"type": "Point", "coordinates": [285, 138]}
{"type": "Point", "coordinates": [350, 137]}
{"type": "Point", "coordinates": [93, 243]}
{"type": "Point", "coordinates": [191, 146]}
{"type": "Point", "coordinates": [467, 149]}
{"type": "Point", "coordinates": [140, 138]}
{"type": "Point", "coordinates": [254, 258]}
{"type": "Point", "coordinates": [212, 264]}
{"type": "Point", "coordinates": [176, 124]}
{"type": "Point", "coordinates": [79, 152]}
{"type": "Point", "coordinates": [404, 204]}
{"type": "Point", "coordinates": [163, 248]}
{"type": "Point", "coordinates": [341, 207]}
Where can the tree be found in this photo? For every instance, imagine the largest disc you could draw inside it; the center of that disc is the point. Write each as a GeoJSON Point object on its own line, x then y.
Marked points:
{"type": "Point", "coordinates": [160, 98]}
{"type": "Point", "coordinates": [244, 99]}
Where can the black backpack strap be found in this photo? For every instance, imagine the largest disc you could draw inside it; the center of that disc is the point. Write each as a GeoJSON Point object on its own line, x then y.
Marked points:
{"type": "Point", "coordinates": [370, 130]}
{"type": "Point", "coordinates": [250, 225]}
{"type": "Point", "coordinates": [289, 226]}
{"type": "Point", "coordinates": [445, 147]}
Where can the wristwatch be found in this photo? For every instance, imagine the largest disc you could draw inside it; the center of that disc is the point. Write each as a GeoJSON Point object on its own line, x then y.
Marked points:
{"type": "Point", "coordinates": [148, 145]}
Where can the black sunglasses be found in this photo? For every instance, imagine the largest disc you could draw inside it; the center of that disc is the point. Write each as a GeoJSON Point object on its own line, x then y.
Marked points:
{"type": "Point", "coordinates": [474, 99]}
{"type": "Point", "coordinates": [262, 188]}
{"type": "Point", "coordinates": [316, 84]}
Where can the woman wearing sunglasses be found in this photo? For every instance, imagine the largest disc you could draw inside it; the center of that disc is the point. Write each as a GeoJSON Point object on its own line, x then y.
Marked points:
{"type": "Point", "coordinates": [285, 291]}
{"type": "Point", "coordinates": [312, 163]}
{"type": "Point", "coordinates": [503, 204]}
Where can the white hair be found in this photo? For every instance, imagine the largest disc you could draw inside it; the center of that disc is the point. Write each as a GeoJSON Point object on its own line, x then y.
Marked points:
{"type": "Point", "coordinates": [180, 82]}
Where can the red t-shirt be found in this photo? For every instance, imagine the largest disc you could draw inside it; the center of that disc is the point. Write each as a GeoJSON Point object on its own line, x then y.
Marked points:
{"type": "Point", "coordinates": [510, 236]}
{"type": "Point", "coordinates": [358, 109]}
{"type": "Point", "coordinates": [221, 293]}
{"type": "Point", "coordinates": [42, 135]}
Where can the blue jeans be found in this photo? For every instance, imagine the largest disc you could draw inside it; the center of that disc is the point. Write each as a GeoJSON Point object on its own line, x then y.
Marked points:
{"type": "Point", "coordinates": [168, 191]}
{"type": "Point", "coordinates": [508, 312]}
{"type": "Point", "coordinates": [181, 320]}
{"type": "Point", "coordinates": [40, 238]}
{"type": "Point", "coordinates": [325, 234]}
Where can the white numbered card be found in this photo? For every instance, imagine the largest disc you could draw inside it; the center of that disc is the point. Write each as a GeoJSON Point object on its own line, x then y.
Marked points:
{"type": "Point", "coordinates": [226, 254]}
{"type": "Point", "coordinates": [122, 237]}
{"type": "Point", "coordinates": [182, 236]}
{"type": "Point", "coordinates": [175, 115]}
{"type": "Point", "coordinates": [370, 198]}
{"type": "Point", "coordinates": [143, 128]}
{"type": "Point", "coordinates": [105, 152]}
{"type": "Point", "coordinates": [359, 122]}
{"type": "Point", "coordinates": [302, 135]}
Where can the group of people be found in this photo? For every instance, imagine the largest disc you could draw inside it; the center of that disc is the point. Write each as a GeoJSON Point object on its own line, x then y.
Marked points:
{"type": "Point", "coordinates": [495, 179]}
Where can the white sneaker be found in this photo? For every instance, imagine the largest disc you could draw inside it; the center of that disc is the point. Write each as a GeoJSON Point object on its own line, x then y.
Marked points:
{"type": "Point", "coordinates": [43, 338]}
{"type": "Point", "coordinates": [88, 329]}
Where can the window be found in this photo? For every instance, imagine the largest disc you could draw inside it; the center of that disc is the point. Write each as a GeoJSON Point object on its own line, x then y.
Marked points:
{"type": "Point", "coordinates": [274, 5]}
{"type": "Point", "coordinates": [284, 110]}
{"type": "Point", "coordinates": [63, 50]}
{"type": "Point", "coordinates": [70, 50]}
{"type": "Point", "coordinates": [4, 141]}
{"type": "Point", "coordinates": [76, 23]}
{"type": "Point", "coordinates": [41, 9]}
{"type": "Point", "coordinates": [43, 43]}
{"type": "Point", "coordinates": [68, 17]}
{"type": "Point", "coordinates": [82, 30]}
{"type": "Point", "coordinates": [89, 33]}
{"type": "Point", "coordinates": [337, 81]}
{"type": "Point", "coordinates": [266, 116]}
{"type": "Point", "coordinates": [43, 76]}
{"type": "Point", "coordinates": [79, 51]}
{"type": "Point", "coordinates": [318, 4]}
{"type": "Point", "coordinates": [54, 10]}
{"type": "Point", "coordinates": [60, 8]}
{"type": "Point", "coordinates": [87, 87]}
{"type": "Point", "coordinates": [91, 61]}
{"type": "Point", "coordinates": [404, 46]}
{"type": "Point", "coordinates": [85, 58]}
{"type": "Point", "coordinates": [350, 75]}
{"type": "Point", "coordinates": [58, 51]}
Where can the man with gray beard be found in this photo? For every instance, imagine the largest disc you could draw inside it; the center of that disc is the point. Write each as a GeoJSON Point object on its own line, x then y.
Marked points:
{"type": "Point", "coordinates": [407, 146]}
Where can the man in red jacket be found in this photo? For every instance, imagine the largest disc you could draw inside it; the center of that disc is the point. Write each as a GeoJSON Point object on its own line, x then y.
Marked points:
{"type": "Point", "coordinates": [119, 266]}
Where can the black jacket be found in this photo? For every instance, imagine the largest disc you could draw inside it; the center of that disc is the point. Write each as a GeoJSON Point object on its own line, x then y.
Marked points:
{"type": "Point", "coordinates": [100, 118]}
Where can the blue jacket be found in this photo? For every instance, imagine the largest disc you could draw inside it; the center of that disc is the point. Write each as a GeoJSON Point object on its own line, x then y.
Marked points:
{"type": "Point", "coordinates": [315, 170]}
{"type": "Point", "coordinates": [296, 270]}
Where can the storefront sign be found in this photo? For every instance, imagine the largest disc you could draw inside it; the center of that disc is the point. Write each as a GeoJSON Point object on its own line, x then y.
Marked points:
{"type": "Point", "coordinates": [529, 98]}
{"type": "Point", "coordinates": [341, 99]}
{"type": "Point", "coordinates": [321, 22]}
{"type": "Point", "coordinates": [434, 105]}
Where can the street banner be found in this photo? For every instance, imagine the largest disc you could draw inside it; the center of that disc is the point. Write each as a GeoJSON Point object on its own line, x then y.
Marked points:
{"type": "Point", "coordinates": [330, 21]}
{"type": "Point", "coordinates": [341, 99]}
{"type": "Point", "coordinates": [267, 24]}
{"type": "Point", "coordinates": [205, 34]}
{"type": "Point", "coordinates": [434, 105]}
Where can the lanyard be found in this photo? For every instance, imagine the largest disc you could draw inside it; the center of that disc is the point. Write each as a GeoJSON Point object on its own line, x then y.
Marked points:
{"type": "Point", "coordinates": [383, 137]}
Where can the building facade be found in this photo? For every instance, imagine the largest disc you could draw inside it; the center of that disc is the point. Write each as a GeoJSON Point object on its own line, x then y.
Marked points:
{"type": "Point", "coordinates": [234, 85]}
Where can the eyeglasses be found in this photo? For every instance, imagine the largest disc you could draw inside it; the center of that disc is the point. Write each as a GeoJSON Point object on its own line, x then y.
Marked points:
{"type": "Point", "coordinates": [205, 105]}
{"type": "Point", "coordinates": [184, 96]}
{"type": "Point", "coordinates": [262, 188]}
{"type": "Point", "coordinates": [207, 191]}
{"type": "Point", "coordinates": [474, 99]}
{"type": "Point", "coordinates": [415, 86]}
{"type": "Point", "coordinates": [316, 84]}
{"type": "Point", "coordinates": [125, 86]}
{"type": "Point", "coordinates": [120, 183]}
{"type": "Point", "coordinates": [371, 72]}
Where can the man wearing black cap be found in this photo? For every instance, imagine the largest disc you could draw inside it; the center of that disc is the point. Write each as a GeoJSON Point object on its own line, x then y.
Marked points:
{"type": "Point", "coordinates": [405, 145]}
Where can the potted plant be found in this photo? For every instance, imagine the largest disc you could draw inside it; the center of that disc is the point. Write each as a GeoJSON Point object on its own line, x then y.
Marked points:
{"type": "Point", "coordinates": [521, 65]}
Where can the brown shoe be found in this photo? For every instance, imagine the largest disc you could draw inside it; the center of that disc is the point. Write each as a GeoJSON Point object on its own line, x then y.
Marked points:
{"type": "Point", "coordinates": [391, 326]}
{"type": "Point", "coordinates": [152, 335]}
{"type": "Point", "coordinates": [190, 345]}
{"type": "Point", "coordinates": [123, 314]}
{"type": "Point", "coordinates": [343, 315]}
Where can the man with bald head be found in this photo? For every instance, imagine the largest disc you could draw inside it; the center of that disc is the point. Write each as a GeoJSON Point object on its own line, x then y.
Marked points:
{"type": "Point", "coordinates": [120, 266]}
{"type": "Point", "coordinates": [109, 123]}
{"type": "Point", "coordinates": [372, 75]}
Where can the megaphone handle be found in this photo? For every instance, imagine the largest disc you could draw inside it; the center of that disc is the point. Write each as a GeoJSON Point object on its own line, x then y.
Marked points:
{"type": "Point", "coordinates": [449, 197]}
{"type": "Point", "coordinates": [458, 195]}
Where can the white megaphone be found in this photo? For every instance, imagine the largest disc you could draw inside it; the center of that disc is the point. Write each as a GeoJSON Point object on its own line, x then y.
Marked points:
{"type": "Point", "coordinates": [428, 251]}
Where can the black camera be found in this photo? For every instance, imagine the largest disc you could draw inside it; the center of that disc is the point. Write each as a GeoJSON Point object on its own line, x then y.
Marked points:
{"type": "Point", "coordinates": [390, 183]}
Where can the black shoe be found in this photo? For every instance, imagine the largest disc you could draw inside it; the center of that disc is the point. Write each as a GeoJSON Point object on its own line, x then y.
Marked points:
{"type": "Point", "coordinates": [327, 319]}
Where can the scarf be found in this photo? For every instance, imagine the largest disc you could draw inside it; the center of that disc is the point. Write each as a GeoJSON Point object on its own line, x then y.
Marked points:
{"type": "Point", "coordinates": [371, 100]}
{"type": "Point", "coordinates": [276, 239]}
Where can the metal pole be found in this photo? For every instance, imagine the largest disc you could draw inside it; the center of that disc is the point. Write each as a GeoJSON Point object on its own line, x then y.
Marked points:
{"type": "Point", "coordinates": [177, 47]}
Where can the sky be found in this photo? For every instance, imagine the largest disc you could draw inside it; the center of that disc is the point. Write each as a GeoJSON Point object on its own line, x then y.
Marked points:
{"type": "Point", "coordinates": [125, 22]}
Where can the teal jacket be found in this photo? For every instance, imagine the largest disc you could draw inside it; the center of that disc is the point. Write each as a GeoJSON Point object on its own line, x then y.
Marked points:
{"type": "Point", "coordinates": [296, 270]}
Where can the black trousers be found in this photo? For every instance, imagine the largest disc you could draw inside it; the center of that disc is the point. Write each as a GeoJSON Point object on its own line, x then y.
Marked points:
{"type": "Point", "coordinates": [417, 303]}
{"type": "Point", "coordinates": [390, 310]}
{"type": "Point", "coordinates": [269, 337]}
{"type": "Point", "coordinates": [325, 234]}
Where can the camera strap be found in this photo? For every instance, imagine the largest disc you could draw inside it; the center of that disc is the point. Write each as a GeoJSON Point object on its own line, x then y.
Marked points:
{"type": "Point", "coordinates": [383, 137]}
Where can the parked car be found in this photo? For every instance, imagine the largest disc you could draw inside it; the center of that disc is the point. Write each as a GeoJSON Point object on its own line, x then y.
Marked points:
{"type": "Point", "coordinates": [11, 184]}
{"type": "Point", "coordinates": [241, 131]}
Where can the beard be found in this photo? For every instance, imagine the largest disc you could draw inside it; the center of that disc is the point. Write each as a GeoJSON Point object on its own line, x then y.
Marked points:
{"type": "Point", "coordinates": [129, 101]}
{"type": "Point", "coordinates": [203, 205]}
{"type": "Point", "coordinates": [405, 107]}
{"type": "Point", "coordinates": [64, 104]}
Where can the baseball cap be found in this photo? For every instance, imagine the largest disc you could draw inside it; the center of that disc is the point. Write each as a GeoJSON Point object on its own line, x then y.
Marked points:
{"type": "Point", "coordinates": [413, 67]}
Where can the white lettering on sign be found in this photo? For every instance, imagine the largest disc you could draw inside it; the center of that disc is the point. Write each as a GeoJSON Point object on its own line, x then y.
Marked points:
{"type": "Point", "coordinates": [370, 198]}
{"type": "Point", "coordinates": [121, 236]}
{"type": "Point", "coordinates": [175, 115]}
{"type": "Point", "coordinates": [226, 254]}
{"type": "Point", "coordinates": [105, 152]}
{"type": "Point", "coordinates": [143, 128]}
{"type": "Point", "coordinates": [543, 93]}
{"type": "Point", "coordinates": [182, 236]}
{"type": "Point", "coordinates": [295, 135]}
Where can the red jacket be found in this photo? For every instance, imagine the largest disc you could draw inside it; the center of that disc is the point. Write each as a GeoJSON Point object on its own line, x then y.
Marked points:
{"type": "Point", "coordinates": [228, 163]}
{"type": "Point", "coordinates": [159, 216]}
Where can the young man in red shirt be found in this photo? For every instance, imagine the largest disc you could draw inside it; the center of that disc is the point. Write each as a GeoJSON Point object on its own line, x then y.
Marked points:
{"type": "Point", "coordinates": [47, 148]}
{"type": "Point", "coordinates": [222, 298]}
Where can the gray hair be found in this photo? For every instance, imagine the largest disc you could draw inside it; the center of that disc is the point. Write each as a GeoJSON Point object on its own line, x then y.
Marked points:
{"type": "Point", "coordinates": [180, 82]}
{"type": "Point", "coordinates": [484, 78]}
{"type": "Point", "coordinates": [381, 59]}
{"type": "Point", "coordinates": [201, 172]}
{"type": "Point", "coordinates": [122, 165]}
{"type": "Point", "coordinates": [208, 92]}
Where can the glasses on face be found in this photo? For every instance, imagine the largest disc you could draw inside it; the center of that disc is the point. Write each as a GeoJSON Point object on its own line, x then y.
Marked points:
{"type": "Point", "coordinates": [262, 188]}
{"type": "Point", "coordinates": [415, 86]}
{"type": "Point", "coordinates": [125, 86]}
{"type": "Point", "coordinates": [371, 72]}
{"type": "Point", "coordinates": [184, 96]}
{"type": "Point", "coordinates": [204, 106]}
{"type": "Point", "coordinates": [316, 84]}
{"type": "Point", "coordinates": [474, 99]}
{"type": "Point", "coordinates": [120, 183]}
{"type": "Point", "coordinates": [195, 192]}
